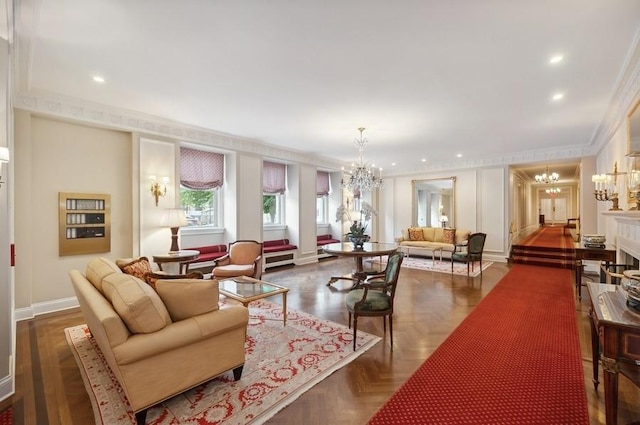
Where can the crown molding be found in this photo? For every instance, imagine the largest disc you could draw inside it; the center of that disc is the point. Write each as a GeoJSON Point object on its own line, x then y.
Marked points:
{"type": "Point", "coordinates": [626, 93]}
{"type": "Point", "coordinates": [149, 126]}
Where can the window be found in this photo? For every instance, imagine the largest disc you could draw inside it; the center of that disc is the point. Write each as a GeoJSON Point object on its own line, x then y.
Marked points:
{"type": "Point", "coordinates": [274, 177]}
{"type": "Point", "coordinates": [201, 179]}
{"type": "Point", "coordinates": [322, 201]}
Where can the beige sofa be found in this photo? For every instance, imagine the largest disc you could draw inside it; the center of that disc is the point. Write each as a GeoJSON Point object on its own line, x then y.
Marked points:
{"type": "Point", "coordinates": [423, 240]}
{"type": "Point", "coordinates": [159, 344]}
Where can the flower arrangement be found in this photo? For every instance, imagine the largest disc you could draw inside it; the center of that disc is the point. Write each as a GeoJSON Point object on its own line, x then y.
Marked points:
{"type": "Point", "coordinates": [358, 227]}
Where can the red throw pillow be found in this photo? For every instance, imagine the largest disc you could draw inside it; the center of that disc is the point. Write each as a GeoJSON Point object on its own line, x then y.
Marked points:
{"type": "Point", "coordinates": [415, 234]}
{"type": "Point", "coordinates": [138, 268]}
{"type": "Point", "coordinates": [449, 236]}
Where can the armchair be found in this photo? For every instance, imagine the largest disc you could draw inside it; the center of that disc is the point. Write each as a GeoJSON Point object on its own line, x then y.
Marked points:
{"type": "Point", "coordinates": [244, 258]}
{"type": "Point", "coordinates": [375, 297]}
{"type": "Point", "coordinates": [475, 247]}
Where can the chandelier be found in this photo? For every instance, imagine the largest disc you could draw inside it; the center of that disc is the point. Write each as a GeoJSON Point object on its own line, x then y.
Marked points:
{"type": "Point", "coordinates": [553, 191]}
{"type": "Point", "coordinates": [361, 177]}
{"type": "Point", "coordinates": [546, 177]}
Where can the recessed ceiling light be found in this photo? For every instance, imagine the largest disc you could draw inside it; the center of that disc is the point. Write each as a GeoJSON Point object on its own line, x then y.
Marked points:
{"type": "Point", "coordinates": [558, 96]}
{"type": "Point", "coordinates": [459, 155]}
{"type": "Point", "coordinates": [98, 79]}
{"type": "Point", "coordinates": [556, 59]}
{"type": "Point", "coordinates": [393, 163]}
{"type": "Point", "coordinates": [424, 159]}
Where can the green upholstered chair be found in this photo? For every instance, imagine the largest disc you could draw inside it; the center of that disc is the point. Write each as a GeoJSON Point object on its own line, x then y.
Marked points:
{"type": "Point", "coordinates": [375, 297]}
{"type": "Point", "coordinates": [473, 252]}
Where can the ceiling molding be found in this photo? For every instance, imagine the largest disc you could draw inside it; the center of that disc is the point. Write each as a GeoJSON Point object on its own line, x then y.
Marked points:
{"type": "Point", "coordinates": [626, 93]}
{"type": "Point", "coordinates": [149, 126]}
{"type": "Point", "coordinates": [121, 119]}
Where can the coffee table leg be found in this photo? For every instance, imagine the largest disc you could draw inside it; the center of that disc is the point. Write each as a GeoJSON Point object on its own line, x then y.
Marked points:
{"type": "Point", "coordinates": [284, 308]}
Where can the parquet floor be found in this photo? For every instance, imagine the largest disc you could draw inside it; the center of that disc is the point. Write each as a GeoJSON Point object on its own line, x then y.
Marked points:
{"type": "Point", "coordinates": [49, 388]}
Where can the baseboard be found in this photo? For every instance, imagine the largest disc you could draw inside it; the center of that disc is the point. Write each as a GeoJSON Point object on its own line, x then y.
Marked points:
{"type": "Point", "coordinates": [7, 387]}
{"type": "Point", "coordinates": [45, 307]}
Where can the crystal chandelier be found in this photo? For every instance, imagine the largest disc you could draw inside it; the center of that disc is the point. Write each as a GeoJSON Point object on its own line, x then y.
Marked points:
{"type": "Point", "coordinates": [553, 191]}
{"type": "Point", "coordinates": [361, 177]}
{"type": "Point", "coordinates": [547, 177]}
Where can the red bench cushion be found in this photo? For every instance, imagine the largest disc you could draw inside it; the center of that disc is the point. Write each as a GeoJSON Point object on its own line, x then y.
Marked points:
{"type": "Point", "coordinates": [277, 246]}
{"type": "Point", "coordinates": [326, 239]}
{"type": "Point", "coordinates": [209, 253]}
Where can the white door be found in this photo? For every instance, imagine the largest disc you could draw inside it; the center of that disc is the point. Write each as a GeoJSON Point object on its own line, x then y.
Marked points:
{"type": "Point", "coordinates": [546, 209]}
{"type": "Point", "coordinates": [560, 205]}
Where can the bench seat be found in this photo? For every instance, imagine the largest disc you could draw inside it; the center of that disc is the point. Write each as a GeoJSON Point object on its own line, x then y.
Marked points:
{"type": "Point", "coordinates": [324, 240]}
{"type": "Point", "coordinates": [208, 254]}
{"type": "Point", "coordinates": [278, 252]}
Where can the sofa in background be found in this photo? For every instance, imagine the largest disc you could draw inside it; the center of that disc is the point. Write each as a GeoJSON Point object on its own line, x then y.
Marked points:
{"type": "Point", "coordinates": [422, 240]}
{"type": "Point", "coordinates": [159, 344]}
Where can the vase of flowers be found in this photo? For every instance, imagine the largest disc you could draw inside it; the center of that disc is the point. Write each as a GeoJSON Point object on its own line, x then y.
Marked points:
{"type": "Point", "coordinates": [357, 231]}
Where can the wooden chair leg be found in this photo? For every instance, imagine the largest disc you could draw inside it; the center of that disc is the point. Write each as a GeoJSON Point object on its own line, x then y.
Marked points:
{"type": "Point", "coordinates": [391, 329]}
{"type": "Point", "coordinates": [349, 320]}
{"type": "Point", "coordinates": [355, 330]}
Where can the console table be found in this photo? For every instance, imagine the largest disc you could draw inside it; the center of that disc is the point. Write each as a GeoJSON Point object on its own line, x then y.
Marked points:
{"type": "Point", "coordinates": [607, 255]}
{"type": "Point", "coordinates": [615, 332]}
{"type": "Point", "coordinates": [182, 257]}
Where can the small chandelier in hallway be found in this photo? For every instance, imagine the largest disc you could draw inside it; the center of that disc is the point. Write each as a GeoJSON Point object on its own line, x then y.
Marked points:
{"type": "Point", "coordinates": [362, 177]}
{"type": "Point", "coordinates": [553, 191]}
{"type": "Point", "coordinates": [547, 178]}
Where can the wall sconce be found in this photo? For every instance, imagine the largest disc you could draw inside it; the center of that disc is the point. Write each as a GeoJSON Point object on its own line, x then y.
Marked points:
{"type": "Point", "coordinates": [157, 189]}
{"type": "Point", "coordinates": [634, 179]}
{"type": "Point", "coordinates": [607, 187]}
{"type": "Point", "coordinates": [175, 218]}
{"type": "Point", "coordinates": [4, 158]}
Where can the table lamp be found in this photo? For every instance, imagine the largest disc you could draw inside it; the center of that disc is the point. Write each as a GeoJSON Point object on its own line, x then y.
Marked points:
{"type": "Point", "coordinates": [174, 219]}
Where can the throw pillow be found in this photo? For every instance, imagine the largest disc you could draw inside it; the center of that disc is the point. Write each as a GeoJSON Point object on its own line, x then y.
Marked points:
{"type": "Point", "coordinates": [185, 298]}
{"type": "Point", "coordinates": [137, 304]}
{"type": "Point", "coordinates": [415, 234]}
{"type": "Point", "coordinates": [449, 236]}
{"type": "Point", "coordinates": [152, 277]}
{"type": "Point", "coordinates": [139, 267]}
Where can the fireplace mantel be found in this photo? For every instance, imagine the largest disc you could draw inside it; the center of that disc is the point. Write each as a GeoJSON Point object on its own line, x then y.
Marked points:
{"type": "Point", "coordinates": [627, 234]}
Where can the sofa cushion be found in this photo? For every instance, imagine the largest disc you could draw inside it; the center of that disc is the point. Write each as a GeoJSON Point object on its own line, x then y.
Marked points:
{"type": "Point", "coordinates": [185, 298]}
{"type": "Point", "coordinates": [98, 268]}
{"type": "Point", "coordinates": [136, 303]}
{"type": "Point", "coordinates": [438, 234]}
{"type": "Point", "coordinates": [416, 234]}
{"type": "Point", "coordinates": [429, 233]}
{"type": "Point", "coordinates": [152, 277]}
{"type": "Point", "coordinates": [449, 235]}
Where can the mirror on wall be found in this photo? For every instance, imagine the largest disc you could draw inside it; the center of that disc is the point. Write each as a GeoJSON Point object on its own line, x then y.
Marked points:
{"type": "Point", "coordinates": [633, 131]}
{"type": "Point", "coordinates": [434, 202]}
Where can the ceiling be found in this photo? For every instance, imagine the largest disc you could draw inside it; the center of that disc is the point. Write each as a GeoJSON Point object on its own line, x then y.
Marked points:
{"type": "Point", "coordinates": [428, 79]}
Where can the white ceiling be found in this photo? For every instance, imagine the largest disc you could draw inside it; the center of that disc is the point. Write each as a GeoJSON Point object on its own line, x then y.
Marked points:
{"type": "Point", "coordinates": [426, 78]}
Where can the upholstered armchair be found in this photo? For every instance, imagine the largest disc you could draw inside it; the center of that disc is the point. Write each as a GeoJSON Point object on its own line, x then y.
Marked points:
{"type": "Point", "coordinates": [244, 258]}
{"type": "Point", "coordinates": [473, 253]}
{"type": "Point", "coordinates": [375, 297]}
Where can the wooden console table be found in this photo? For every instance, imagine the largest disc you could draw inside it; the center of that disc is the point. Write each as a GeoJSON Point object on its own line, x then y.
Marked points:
{"type": "Point", "coordinates": [615, 332]}
{"type": "Point", "coordinates": [606, 255]}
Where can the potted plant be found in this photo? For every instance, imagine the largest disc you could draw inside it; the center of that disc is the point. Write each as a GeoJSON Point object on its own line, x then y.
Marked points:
{"type": "Point", "coordinates": [357, 231]}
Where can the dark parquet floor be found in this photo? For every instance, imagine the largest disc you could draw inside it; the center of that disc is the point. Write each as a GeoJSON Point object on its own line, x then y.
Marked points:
{"type": "Point", "coordinates": [49, 388]}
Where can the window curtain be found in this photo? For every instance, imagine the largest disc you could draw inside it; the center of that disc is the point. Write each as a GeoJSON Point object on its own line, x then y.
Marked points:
{"type": "Point", "coordinates": [322, 183]}
{"type": "Point", "coordinates": [274, 177]}
{"type": "Point", "coordinates": [201, 170]}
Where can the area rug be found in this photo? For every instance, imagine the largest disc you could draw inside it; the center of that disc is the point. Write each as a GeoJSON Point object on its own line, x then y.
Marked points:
{"type": "Point", "coordinates": [439, 266]}
{"type": "Point", "coordinates": [281, 364]}
{"type": "Point", "coordinates": [549, 237]}
{"type": "Point", "coordinates": [515, 359]}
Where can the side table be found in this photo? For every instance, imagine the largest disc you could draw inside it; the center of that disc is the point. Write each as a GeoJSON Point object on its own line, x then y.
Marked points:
{"type": "Point", "coordinates": [180, 257]}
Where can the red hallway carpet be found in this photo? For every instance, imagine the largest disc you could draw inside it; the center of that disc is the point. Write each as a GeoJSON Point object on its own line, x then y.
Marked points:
{"type": "Point", "coordinates": [514, 360]}
{"type": "Point", "coordinates": [550, 237]}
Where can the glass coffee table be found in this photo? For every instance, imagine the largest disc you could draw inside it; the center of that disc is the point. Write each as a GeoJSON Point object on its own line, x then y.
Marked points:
{"type": "Point", "coordinates": [246, 289]}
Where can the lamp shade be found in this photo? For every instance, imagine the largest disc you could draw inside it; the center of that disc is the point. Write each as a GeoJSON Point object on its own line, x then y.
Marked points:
{"type": "Point", "coordinates": [175, 217]}
{"type": "Point", "coordinates": [4, 154]}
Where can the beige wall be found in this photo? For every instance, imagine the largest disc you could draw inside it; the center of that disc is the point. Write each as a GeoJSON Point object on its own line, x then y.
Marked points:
{"type": "Point", "coordinates": [51, 157]}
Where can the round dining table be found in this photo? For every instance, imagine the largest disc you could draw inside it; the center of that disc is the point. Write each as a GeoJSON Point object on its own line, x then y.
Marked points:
{"type": "Point", "coordinates": [369, 249]}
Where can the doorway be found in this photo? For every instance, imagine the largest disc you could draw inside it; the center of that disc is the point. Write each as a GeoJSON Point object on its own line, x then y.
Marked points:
{"type": "Point", "coordinates": [554, 209]}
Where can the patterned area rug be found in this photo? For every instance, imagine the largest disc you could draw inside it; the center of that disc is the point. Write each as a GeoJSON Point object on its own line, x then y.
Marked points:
{"type": "Point", "coordinates": [443, 266]}
{"type": "Point", "coordinates": [281, 364]}
{"type": "Point", "coordinates": [516, 359]}
{"type": "Point", "coordinates": [6, 417]}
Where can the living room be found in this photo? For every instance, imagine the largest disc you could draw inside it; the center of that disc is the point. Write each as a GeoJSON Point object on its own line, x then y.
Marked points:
{"type": "Point", "coordinates": [62, 143]}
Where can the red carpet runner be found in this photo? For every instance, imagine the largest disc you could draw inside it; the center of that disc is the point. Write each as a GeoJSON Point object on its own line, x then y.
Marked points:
{"type": "Point", "coordinates": [515, 359]}
{"type": "Point", "coordinates": [552, 237]}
